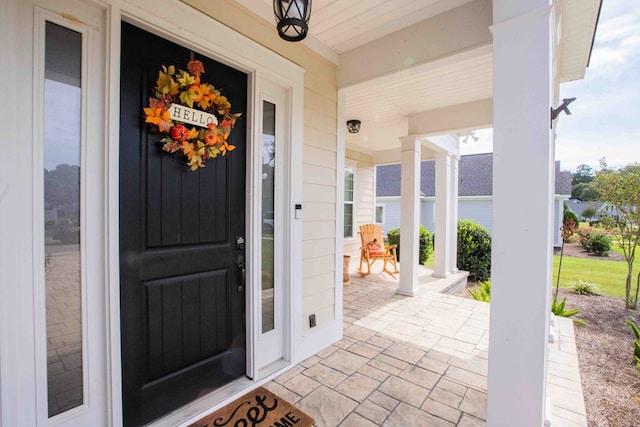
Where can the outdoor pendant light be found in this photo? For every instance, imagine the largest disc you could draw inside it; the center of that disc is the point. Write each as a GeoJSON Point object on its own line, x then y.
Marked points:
{"type": "Point", "coordinates": [353, 126]}
{"type": "Point", "coordinates": [292, 18]}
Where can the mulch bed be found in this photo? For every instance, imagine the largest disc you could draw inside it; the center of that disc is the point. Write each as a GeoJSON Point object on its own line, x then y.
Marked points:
{"type": "Point", "coordinates": [610, 380]}
{"type": "Point", "coordinates": [574, 249]}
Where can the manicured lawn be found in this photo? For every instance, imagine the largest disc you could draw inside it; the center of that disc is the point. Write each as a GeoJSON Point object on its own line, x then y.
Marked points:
{"type": "Point", "coordinates": [608, 276]}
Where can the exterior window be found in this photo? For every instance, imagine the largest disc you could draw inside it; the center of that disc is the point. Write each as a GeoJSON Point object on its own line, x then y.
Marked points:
{"type": "Point", "coordinates": [62, 220]}
{"type": "Point", "coordinates": [348, 202]}
{"type": "Point", "coordinates": [268, 223]}
{"type": "Point", "coordinates": [379, 214]}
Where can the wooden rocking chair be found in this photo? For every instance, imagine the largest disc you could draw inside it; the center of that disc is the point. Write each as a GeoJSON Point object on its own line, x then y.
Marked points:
{"type": "Point", "coordinates": [373, 249]}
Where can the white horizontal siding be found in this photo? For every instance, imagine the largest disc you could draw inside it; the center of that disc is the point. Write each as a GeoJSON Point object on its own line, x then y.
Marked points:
{"type": "Point", "coordinates": [364, 194]}
{"type": "Point", "coordinates": [391, 214]}
{"type": "Point", "coordinates": [317, 230]}
{"type": "Point", "coordinates": [427, 215]}
{"type": "Point", "coordinates": [318, 247]}
{"type": "Point", "coordinates": [352, 248]}
{"type": "Point", "coordinates": [474, 210]}
{"type": "Point", "coordinates": [480, 211]}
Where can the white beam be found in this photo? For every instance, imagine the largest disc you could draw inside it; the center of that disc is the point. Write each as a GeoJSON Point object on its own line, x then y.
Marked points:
{"type": "Point", "coordinates": [458, 118]}
{"type": "Point", "coordinates": [409, 215]}
{"type": "Point", "coordinates": [523, 164]}
{"type": "Point", "coordinates": [442, 144]}
{"type": "Point", "coordinates": [430, 147]}
{"type": "Point", "coordinates": [455, 31]}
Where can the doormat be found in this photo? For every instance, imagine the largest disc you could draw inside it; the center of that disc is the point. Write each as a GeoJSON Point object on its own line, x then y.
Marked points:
{"type": "Point", "coordinates": [259, 408]}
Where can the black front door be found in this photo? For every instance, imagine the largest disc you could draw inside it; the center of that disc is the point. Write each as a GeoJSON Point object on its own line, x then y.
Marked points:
{"type": "Point", "coordinates": [182, 297]}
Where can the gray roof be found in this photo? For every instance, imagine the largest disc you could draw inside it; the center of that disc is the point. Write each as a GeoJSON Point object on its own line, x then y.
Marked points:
{"type": "Point", "coordinates": [578, 206]}
{"type": "Point", "coordinates": [475, 178]}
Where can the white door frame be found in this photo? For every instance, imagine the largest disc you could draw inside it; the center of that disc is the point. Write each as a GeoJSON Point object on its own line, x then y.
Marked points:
{"type": "Point", "coordinates": [271, 351]}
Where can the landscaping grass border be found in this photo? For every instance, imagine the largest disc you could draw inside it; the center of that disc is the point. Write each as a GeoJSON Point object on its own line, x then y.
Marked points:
{"type": "Point", "coordinates": [608, 276]}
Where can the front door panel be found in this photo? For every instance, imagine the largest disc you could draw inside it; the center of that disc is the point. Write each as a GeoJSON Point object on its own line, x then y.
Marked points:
{"type": "Point", "coordinates": [182, 296]}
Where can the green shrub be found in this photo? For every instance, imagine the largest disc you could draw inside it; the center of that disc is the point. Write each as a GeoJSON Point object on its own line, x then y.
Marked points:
{"type": "Point", "coordinates": [599, 244]}
{"type": "Point", "coordinates": [481, 291]}
{"type": "Point", "coordinates": [584, 233]}
{"type": "Point", "coordinates": [580, 287]}
{"type": "Point", "coordinates": [474, 250]}
{"type": "Point", "coordinates": [636, 343]}
{"type": "Point", "coordinates": [426, 243]}
{"type": "Point", "coordinates": [559, 310]}
{"type": "Point", "coordinates": [393, 236]}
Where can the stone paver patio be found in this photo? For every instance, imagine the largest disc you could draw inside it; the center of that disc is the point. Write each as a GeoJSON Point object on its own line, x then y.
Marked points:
{"type": "Point", "coordinates": [418, 361]}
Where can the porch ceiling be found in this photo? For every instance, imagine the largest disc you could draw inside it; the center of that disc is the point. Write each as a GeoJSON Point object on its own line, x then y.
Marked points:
{"type": "Point", "coordinates": [385, 106]}
{"type": "Point", "coordinates": [342, 25]}
{"type": "Point", "coordinates": [399, 58]}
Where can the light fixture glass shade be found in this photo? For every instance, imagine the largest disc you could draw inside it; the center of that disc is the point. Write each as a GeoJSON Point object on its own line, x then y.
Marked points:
{"type": "Point", "coordinates": [292, 18]}
{"type": "Point", "coordinates": [353, 126]}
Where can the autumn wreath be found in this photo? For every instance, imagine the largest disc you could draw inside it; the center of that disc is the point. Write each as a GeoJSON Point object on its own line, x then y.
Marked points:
{"type": "Point", "coordinates": [172, 110]}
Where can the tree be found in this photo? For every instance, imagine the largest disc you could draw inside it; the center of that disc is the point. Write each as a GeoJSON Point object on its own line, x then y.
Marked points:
{"type": "Point", "coordinates": [621, 188]}
{"type": "Point", "coordinates": [62, 187]}
{"type": "Point", "coordinates": [589, 213]}
{"type": "Point", "coordinates": [581, 183]}
{"type": "Point", "coordinates": [583, 174]}
{"type": "Point", "coordinates": [584, 191]}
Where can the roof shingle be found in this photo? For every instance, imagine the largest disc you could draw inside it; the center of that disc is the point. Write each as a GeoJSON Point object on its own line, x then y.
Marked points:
{"type": "Point", "coordinates": [475, 178]}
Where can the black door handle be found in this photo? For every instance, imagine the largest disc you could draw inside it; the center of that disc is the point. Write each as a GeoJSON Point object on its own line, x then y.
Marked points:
{"type": "Point", "coordinates": [243, 272]}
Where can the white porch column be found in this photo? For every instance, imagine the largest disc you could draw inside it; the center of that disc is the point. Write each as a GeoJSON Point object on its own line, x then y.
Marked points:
{"type": "Point", "coordinates": [409, 215]}
{"type": "Point", "coordinates": [443, 220]}
{"type": "Point", "coordinates": [522, 164]}
{"type": "Point", "coordinates": [453, 223]}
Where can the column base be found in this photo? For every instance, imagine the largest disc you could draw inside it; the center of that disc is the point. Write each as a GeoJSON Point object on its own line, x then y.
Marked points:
{"type": "Point", "coordinates": [442, 275]}
{"type": "Point", "coordinates": [407, 293]}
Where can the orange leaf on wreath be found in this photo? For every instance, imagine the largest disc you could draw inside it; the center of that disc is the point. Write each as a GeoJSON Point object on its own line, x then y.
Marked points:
{"type": "Point", "coordinates": [195, 67]}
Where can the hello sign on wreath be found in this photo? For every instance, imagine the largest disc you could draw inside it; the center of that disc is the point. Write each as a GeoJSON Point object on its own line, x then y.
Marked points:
{"type": "Point", "coordinates": [200, 133]}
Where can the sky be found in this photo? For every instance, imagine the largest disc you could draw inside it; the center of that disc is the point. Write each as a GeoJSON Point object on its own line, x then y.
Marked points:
{"type": "Point", "coordinates": [605, 119]}
{"type": "Point", "coordinates": [62, 128]}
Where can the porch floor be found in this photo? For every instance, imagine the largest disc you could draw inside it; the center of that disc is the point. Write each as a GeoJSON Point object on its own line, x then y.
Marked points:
{"type": "Point", "coordinates": [416, 361]}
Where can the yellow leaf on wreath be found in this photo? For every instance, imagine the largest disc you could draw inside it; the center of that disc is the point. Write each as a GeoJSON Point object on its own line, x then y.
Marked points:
{"type": "Point", "coordinates": [188, 97]}
{"type": "Point", "coordinates": [166, 85]}
{"type": "Point", "coordinates": [186, 79]}
{"type": "Point", "coordinates": [196, 162]}
{"type": "Point", "coordinates": [187, 149]}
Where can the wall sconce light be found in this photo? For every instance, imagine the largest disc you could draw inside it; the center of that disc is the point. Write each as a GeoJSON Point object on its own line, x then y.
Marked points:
{"type": "Point", "coordinates": [292, 18]}
{"type": "Point", "coordinates": [353, 126]}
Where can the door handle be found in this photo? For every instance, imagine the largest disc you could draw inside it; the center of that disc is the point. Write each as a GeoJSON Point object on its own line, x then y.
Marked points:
{"type": "Point", "coordinates": [243, 272]}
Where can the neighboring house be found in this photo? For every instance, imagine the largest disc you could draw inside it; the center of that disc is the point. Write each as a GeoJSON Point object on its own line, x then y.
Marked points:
{"type": "Point", "coordinates": [179, 297]}
{"type": "Point", "coordinates": [578, 206]}
{"type": "Point", "coordinates": [602, 209]}
{"type": "Point", "coordinates": [475, 199]}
